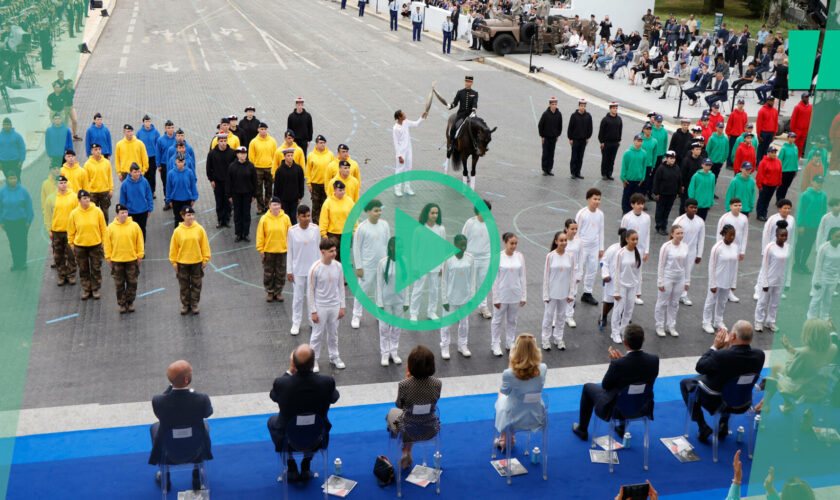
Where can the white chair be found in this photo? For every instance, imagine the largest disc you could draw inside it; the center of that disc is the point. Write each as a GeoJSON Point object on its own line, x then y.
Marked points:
{"type": "Point", "coordinates": [528, 399]}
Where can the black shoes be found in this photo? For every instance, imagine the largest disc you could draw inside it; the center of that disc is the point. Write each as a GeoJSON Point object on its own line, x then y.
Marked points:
{"type": "Point", "coordinates": [166, 207]}
{"type": "Point", "coordinates": [580, 432]}
{"type": "Point", "coordinates": [548, 173]}
{"type": "Point", "coordinates": [704, 433]}
{"type": "Point", "coordinates": [292, 475]}
{"type": "Point", "coordinates": [577, 176]}
{"type": "Point", "coordinates": [762, 218]}
{"type": "Point", "coordinates": [589, 299]}
{"type": "Point", "coordinates": [196, 479]}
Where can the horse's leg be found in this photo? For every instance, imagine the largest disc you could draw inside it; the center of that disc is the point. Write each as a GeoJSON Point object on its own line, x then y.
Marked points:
{"type": "Point", "coordinates": [464, 174]}
{"type": "Point", "coordinates": [472, 177]}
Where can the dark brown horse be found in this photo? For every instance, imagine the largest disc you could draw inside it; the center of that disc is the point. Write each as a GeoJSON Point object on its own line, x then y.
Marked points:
{"type": "Point", "coordinates": [471, 141]}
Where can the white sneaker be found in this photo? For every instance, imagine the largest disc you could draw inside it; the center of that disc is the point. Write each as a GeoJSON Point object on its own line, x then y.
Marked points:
{"type": "Point", "coordinates": [497, 350]}
{"type": "Point", "coordinates": [354, 323]}
{"type": "Point", "coordinates": [398, 191]}
{"type": "Point", "coordinates": [639, 301]}
{"type": "Point", "coordinates": [708, 328]}
{"type": "Point", "coordinates": [546, 346]}
{"type": "Point", "coordinates": [758, 327]}
{"type": "Point", "coordinates": [485, 313]}
{"type": "Point", "coordinates": [407, 189]}
{"type": "Point", "coordinates": [674, 332]}
{"type": "Point", "coordinates": [295, 329]}
{"type": "Point", "coordinates": [338, 363]}
{"type": "Point", "coordinates": [560, 344]}
{"type": "Point", "coordinates": [772, 327]}
{"type": "Point", "coordinates": [687, 301]}
{"type": "Point", "coordinates": [316, 369]}
{"type": "Point", "coordinates": [433, 316]}
{"type": "Point", "coordinates": [570, 322]}
{"type": "Point", "coordinates": [733, 298]}
{"type": "Point", "coordinates": [755, 296]}
{"type": "Point", "coordinates": [660, 331]}
{"type": "Point", "coordinates": [384, 360]}
{"type": "Point", "coordinates": [413, 317]}
{"type": "Point", "coordinates": [616, 338]}
{"type": "Point", "coordinates": [720, 325]}
{"type": "Point", "coordinates": [396, 358]}
{"type": "Point", "coordinates": [465, 351]}
{"type": "Point", "coordinates": [444, 352]}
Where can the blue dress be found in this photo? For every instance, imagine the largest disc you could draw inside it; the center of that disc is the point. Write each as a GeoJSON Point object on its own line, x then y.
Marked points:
{"type": "Point", "coordinates": [510, 409]}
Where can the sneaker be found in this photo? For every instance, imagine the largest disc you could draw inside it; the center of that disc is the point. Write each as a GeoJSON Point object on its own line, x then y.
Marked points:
{"type": "Point", "coordinates": [546, 346]}
{"type": "Point", "coordinates": [316, 368]}
{"type": "Point", "coordinates": [396, 358]}
{"type": "Point", "coordinates": [384, 360]}
{"type": "Point", "coordinates": [269, 297]}
{"type": "Point", "coordinates": [413, 317]}
{"type": "Point", "coordinates": [195, 309]}
{"type": "Point", "coordinates": [733, 298]}
{"type": "Point", "coordinates": [660, 331]}
{"type": "Point", "coordinates": [185, 310]}
{"type": "Point", "coordinates": [354, 323]}
{"type": "Point", "coordinates": [123, 310]}
{"type": "Point", "coordinates": [772, 327]}
{"type": "Point", "coordinates": [708, 328]}
{"type": "Point", "coordinates": [433, 316]}
{"type": "Point", "coordinates": [465, 351]}
{"type": "Point", "coordinates": [485, 313]}
{"type": "Point", "coordinates": [444, 352]}
{"type": "Point", "coordinates": [131, 308]}
{"type": "Point", "coordinates": [295, 329]}
{"type": "Point", "coordinates": [755, 296]}
{"type": "Point", "coordinates": [338, 363]}
{"type": "Point", "coordinates": [674, 332]}
{"type": "Point", "coordinates": [497, 350]}
{"type": "Point", "coordinates": [570, 322]}
{"type": "Point", "coordinates": [616, 338]}
{"type": "Point", "coordinates": [560, 344]}
{"type": "Point", "coordinates": [758, 326]}
{"type": "Point", "coordinates": [85, 295]}
{"type": "Point", "coordinates": [408, 189]}
{"type": "Point", "coordinates": [61, 281]}
{"type": "Point", "coordinates": [398, 191]}
{"type": "Point", "coordinates": [687, 301]}
{"type": "Point", "coordinates": [639, 301]}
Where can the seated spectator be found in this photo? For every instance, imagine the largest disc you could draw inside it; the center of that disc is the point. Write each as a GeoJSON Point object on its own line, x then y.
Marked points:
{"type": "Point", "coordinates": [634, 367]}
{"type": "Point", "coordinates": [633, 40]}
{"type": "Point", "coordinates": [418, 388]}
{"type": "Point", "coordinates": [678, 77]}
{"type": "Point", "coordinates": [763, 64]}
{"type": "Point", "coordinates": [763, 91]}
{"type": "Point", "coordinates": [524, 375]}
{"type": "Point", "coordinates": [702, 46]}
{"type": "Point", "coordinates": [720, 90]}
{"type": "Point", "coordinates": [721, 66]}
{"type": "Point", "coordinates": [642, 67]}
{"type": "Point", "coordinates": [300, 391]}
{"type": "Point", "coordinates": [621, 60]}
{"type": "Point", "coordinates": [746, 78]}
{"type": "Point", "coordinates": [180, 406]}
{"type": "Point", "coordinates": [702, 84]}
{"type": "Point", "coordinates": [619, 37]}
{"type": "Point", "coordinates": [729, 357]}
{"type": "Point", "coordinates": [569, 49]}
{"type": "Point", "coordinates": [654, 73]}
{"type": "Point", "coordinates": [609, 55]}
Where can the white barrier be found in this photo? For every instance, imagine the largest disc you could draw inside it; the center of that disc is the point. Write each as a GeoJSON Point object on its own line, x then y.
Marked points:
{"type": "Point", "coordinates": [434, 16]}
{"type": "Point", "coordinates": [623, 14]}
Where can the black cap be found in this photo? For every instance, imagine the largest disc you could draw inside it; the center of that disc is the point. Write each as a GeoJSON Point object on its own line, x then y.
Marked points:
{"type": "Point", "coordinates": [344, 163]}
{"type": "Point", "coordinates": [250, 108]}
{"type": "Point", "coordinates": [61, 178]}
{"type": "Point", "coordinates": [275, 199]}
{"type": "Point", "coordinates": [188, 210]}
{"type": "Point", "coordinates": [119, 207]}
{"type": "Point", "coordinates": [180, 131]}
{"type": "Point", "coordinates": [338, 185]}
{"type": "Point", "coordinates": [468, 78]}
{"type": "Point", "coordinates": [82, 193]}
{"type": "Point", "coordinates": [241, 149]}
{"type": "Point", "coordinates": [707, 161]}
{"type": "Point", "coordinates": [262, 125]}
{"type": "Point", "coordinates": [289, 132]}
{"type": "Point", "coordinates": [345, 147]}
{"type": "Point", "coordinates": [69, 152]}
{"type": "Point", "coordinates": [180, 157]}
{"type": "Point", "coordinates": [134, 166]}
{"type": "Point", "coordinates": [233, 118]}
{"type": "Point", "coordinates": [128, 126]}
{"type": "Point", "coordinates": [320, 138]}
{"type": "Point", "coordinates": [180, 143]}
{"type": "Point", "coordinates": [772, 149]}
{"type": "Point", "coordinates": [696, 145]}
{"type": "Point", "coordinates": [95, 145]}
{"type": "Point", "coordinates": [225, 120]}
{"type": "Point", "coordinates": [647, 125]}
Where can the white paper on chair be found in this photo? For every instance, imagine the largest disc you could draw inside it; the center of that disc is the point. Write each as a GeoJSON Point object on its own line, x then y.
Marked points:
{"type": "Point", "coordinates": [604, 443]}
{"type": "Point", "coordinates": [516, 468]}
{"type": "Point", "coordinates": [681, 449]}
{"type": "Point", "coordinates": [305, 419]}
{"type": "Point", "coordinates": [746, 379]}
{"type": "Point", "coordinates": [602, 457]}
{"type": "Point", "coordinates": [532, 397]}
{"type": "Point", "coordinates": [422, 476]}
{"type": "Point", "coordinates": [194, 495]}
{"type": "Point", "coordinates": [182, 433]}
{"type": "Point", "coordinates": [636, 389]}
{"type": "Point", "coordinates": [339, 486]}
{"type": "Point", "coordinates": [422, 409]}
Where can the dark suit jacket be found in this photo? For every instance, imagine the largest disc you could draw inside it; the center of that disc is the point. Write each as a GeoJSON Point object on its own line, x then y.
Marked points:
{"type": "Point", "coordinates": [299, 394]}
{"type": "Point", "coordinates": [722, 90]}
{"type": "Point", "coordinates": [719, 367]}
{"type": "Point", "coordinates": [179, 408]}
{"type": "Point", "coordinates": [635, 367]}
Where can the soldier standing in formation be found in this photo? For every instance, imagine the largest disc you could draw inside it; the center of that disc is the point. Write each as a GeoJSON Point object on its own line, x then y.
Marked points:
{"type": "Point", "coordinates": [124, 251]}
{"type": "Point", "coordinates": [550, 127]}
{"type": "Point", "coordinates": [189, 253]}
{"type": "Point", "coordinates": [85, 232]}
{"type": "Point", "coordinates": [609, 135]}
{"type": "Point", "coordinates": [579, 132]}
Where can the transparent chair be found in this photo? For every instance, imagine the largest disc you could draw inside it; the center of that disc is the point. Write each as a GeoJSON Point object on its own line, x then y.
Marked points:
{"type": "Point", "coordinates": [528, 399]}
{"type": "Point", "coordinates": [634, 402]}
{"type": "Point", "coordinates": [183, 448]}
{"type": "Point", "coordinates": [419, 425]}
{"type": "Point", "coordinates": [735, 399]}
{"type": "Point", "coordinates": [304, 435]}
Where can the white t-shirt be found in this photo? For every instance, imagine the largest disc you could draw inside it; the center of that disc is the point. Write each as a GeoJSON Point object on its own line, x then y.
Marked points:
{"type": "Point", "coordinates": [458, 281]}
{"type": "Point", "coordinates": [590, 228]}
{"type": "Point", "coordinates": [326, 286]}
{"type": "Point", "coordinates": [478, 239]}
{"type": "Point", "coordinates": [370, 244]}
{"type": "Point", "coordinates": [303, 248]}
{"type": "Point", "coordinates": [641, 224]}
{"type": "Point", "coordinates": [559, 276]}
{"type": "Point", "coordinates": [510, 285]}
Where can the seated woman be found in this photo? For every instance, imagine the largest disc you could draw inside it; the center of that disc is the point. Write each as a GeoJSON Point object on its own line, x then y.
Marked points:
{"type": "Point", "coordinates": [418, 388]}
{"type": "Point", "coordinates": [525, 375]}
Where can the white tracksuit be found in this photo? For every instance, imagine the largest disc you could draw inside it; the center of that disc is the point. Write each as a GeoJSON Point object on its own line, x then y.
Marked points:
{"type": "Point", "coordinates": [723, 269]}
{"type": "Point", "coordinates": [370, 245]}
{"type": "Point", "coordinates": [608, 271]}
{"type": "Point", "coordinates": [433, 277]}
{"type": "Point", "coordinates": [478, 245]}
{"type": "Point", "coordinates": [591, 236]}
{"type": "Point", "coordinates": [457, 287]}
{"type": "Point", "coordinates": [558, 287]}
{"type": "Point", "coordinates": [392, 302]}
{"type": "Point", "coordinates": [828, 222]}
{"type": "Point", "coordinates": [509, 290]}
{"type": "Point", "coordinates": [742, 228]}
{"type": "Point", "coordinates": [573, 248]}
{"type": "Point", "coordinates": [627, 275]}
{"type": "Point", "coordinates": [774, 263]}
{"type": "Point", "coordinates": [694, 237]}
{"type": "Point", "coordinates": [326, 297]}
{"type": "Point", "coordinates": [402, 146]}
{"type": "Point", "coordinates": [303, 251]}
{"type": "Point", "coordinates": [826, 276]}
{"type": "Point", "coordinates": [768, 236]}
{"type": "Point", "coordinates": [671, 275]}
{"type": "Point", "coordinates": [641, 224]}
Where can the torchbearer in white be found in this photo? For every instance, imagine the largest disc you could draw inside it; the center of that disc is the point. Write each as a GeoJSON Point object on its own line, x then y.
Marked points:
{"type": "Point", "coordinates": [723, 269]}
{"type": "Point", "coordinates": [432, 218]}
{"type": "Point", "coordinates": [590, 221]}
{"type": "Point", "coordinates": [774, 263]}
{"type": "Point", "coordinates": [740, 223]}
{"type": "Point", "coordinates": [694, 236]}
{"type": "Point", "coordinates": [573, 247]}
{"type": "Point", "coordinates": [509, 293]}
{"type": "Point", "coordinates": [768, 236]}
{"type": "Point", "coordinates": [369, 247]}
{"type": "Point", "coordinates": [628, 265]}
{"type": "Point", "coordinates": [478, 246]}
{"type": "Point", "coordinates": [302, 242]}
{"type": "Point", "coordinates": [402, 147]}
{"type": "Point", "coordinates": [826, 276]}
{"type": "Point", "coordinates": [326, 302]}
{"type": "Point", "coordinates": [639, 221]}
{"type": "Point", "coordinates": [607, 274]}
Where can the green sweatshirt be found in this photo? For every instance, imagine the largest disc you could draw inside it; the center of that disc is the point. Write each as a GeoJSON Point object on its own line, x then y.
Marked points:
{"type": "Point", "coordinates": [633, 164]}
{"type": "Point", "coordinates": [702, 189]}
{"type": "Point", "coordinates": [717, 148]}
{"type": "Point", "coordinates": [813, 205]}
{"type": "Point", "coordinates": [743, 189]}
{"type": "Point", "coordinates": [789, 156]}
{"type": "Point", "coordinates": [649, 145]}
{"type": "Point", "coordinates": [661, 136]}
{"type": "Point", "coordinates": [738, 141]}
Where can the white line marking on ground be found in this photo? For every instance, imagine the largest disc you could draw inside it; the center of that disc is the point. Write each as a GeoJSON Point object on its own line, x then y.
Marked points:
{"type": "Point", "coordinates": [128, 38]}
{"type": "Point", "coordinates": [437, 56]}
{"type": "Point", "coordinates": [126, 49]}
{"type": "Point", "coordinates": [463, 67]}
{"type": "Point", "coordinates": [307, 61]}
{"type": "Point", "coordinates": [123, 62]}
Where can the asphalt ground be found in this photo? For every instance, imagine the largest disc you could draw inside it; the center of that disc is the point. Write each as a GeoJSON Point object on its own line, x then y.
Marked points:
{"type": "Point", "coordinates": [194, 62]}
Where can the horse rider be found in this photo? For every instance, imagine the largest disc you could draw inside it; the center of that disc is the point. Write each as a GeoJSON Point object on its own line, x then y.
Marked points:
{"type": "Point", "coordinates": [467, 101]}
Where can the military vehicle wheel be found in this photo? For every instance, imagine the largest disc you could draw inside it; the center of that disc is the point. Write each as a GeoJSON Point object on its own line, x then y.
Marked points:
{"type": "Point", "coordinates": [503, 44]}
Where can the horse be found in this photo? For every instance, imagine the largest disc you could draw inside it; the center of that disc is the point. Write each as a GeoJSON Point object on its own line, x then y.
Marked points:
{"type": "Point", "coordinates": [471, 140]}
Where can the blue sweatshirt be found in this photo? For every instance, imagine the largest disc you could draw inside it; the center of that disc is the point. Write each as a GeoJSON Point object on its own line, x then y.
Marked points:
{"type": "Point", "coordinates": [149, 138]}
{"type": "Point", "coordinates": [15, 204]}
{"type": "Point", "coordinates": [136, 195]}
{"type": "Point", "coordinates": [12, 147]}
{"type": "Point", "coordinates": [189, 154]}
{"type": "Point", "coordinates": [180, 185]}
{"type": "Point", "coordinates": [58, 139]}
{"type": "Point", "coordinates": [164, 142]}
{"type": "Point", "coordinates": [99, 135]}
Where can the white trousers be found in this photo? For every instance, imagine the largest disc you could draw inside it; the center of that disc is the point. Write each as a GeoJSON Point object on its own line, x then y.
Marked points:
{"type": "Point", "coordinates": [417, 293]}
{"type": "Point", "coordinates": [389, 336]}
{"type": "Point", "coordinates": [715, 306]}
{"type": "Point", "coordinates": [570, 308]}
{"type": "Point", "coordinates": [505, 314]}
{"type": "Point", "coordinates": [463, 331]}
{"type": "Point", "coordinates": [641, 277]}
{"type": "Point", "coordinates": [623, 310]}
{"type": "Point", "coordinates": [689, 266]}
{"type": "Point", "coordinates": [299, 291]}
{"type": "Point", "coordinates": [481, 266]}
{"type": "Point", "coordinates": [821, 302]}
{"type": "Point", "coordinates": [555, 312]}
{"type": "Point", "coordinates": [589, 260]}
{"type": "Point", "coordinates": [768, 305]}
{"type": "Point", "coordinates": [327, 323]}
{"type": "Point", "coordinates": [367, 283]}
{"type": "Point", "coordinates": [402, 167]}
{"type": "Point", "coordinates": [668, 303]}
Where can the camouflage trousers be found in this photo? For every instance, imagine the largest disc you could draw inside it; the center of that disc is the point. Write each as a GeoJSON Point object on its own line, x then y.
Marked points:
{"type": "Point", "coordinates": [318, 196]}
{"type": "Point", "coordinates": [274, 272]}
{"type": "Point", "coordinates": [125, 276]}
{"type": "Point", "coordinates": [65, 261]}
{"type": "Point", "coordinates": [103, 201]}
{"type": "Point", "coordinates": [189, 281]}
{"type": "Point", "coordinates": [90, 266]}
{"type": "Point", "coordinates": [264, 186]}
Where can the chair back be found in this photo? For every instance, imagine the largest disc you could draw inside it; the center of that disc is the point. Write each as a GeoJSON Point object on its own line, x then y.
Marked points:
{"type": "Point", "coordinates": [420, 422]}
{"type": "Point", "coordinates": [185, 444]}
{"type": "Point", "coordinates": [306, 432]}
{"type": "Point", "coordinates": [737, 393]}
{"type": "Point", "coordinates": [634, 401]}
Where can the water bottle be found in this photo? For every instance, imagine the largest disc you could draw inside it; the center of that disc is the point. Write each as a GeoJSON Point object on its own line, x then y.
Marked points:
{"type": "Point", "coordinates": [338, 467]}
{"type": "Point", "coordinates": [437, 459]}
{"type": "Point", "coordinates": [535, 455]}
{"type": "Point", "coordinates": [757, 422]}
{"type": "Point", "coordinates": [739, 437]}
{"type": "Point", "coordinates": [626, 442]}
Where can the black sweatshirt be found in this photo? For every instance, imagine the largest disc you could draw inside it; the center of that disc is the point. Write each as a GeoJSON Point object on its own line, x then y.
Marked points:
{"type": "Point", "coordinates": [242, 178]}
{"type": "Point", "coordinates": [217, 164]}
{"type": "Point", "coordinates": [580, 126]}
{"type": "Point", "coordinates": [288, 182]}
{"type": "Point", "coordinates": [611, 128]}
{"type": "Point", "coordinates": [667, 180]}
{"type": "Point", "coordinates": [301, 123]}
{"type": "Point", "coordinates": [551, 124]}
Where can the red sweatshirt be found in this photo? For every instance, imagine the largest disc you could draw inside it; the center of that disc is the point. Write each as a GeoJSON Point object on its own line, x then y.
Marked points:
{"type": "Point", "coordinates": [736, 123]}
{"type": "Point", "coordinates": [745, 152]}
{"type": "Point", "coordinates": [768, 120]}
{"type": "Point", "coordinates": [769, 173]}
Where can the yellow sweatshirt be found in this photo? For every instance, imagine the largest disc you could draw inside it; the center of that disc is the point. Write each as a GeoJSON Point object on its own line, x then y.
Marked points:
{"type": "Point", "coordinates": [48, 190]}
{"type": "Point", "coordinates": [48, 187]}
{"type": "Point", "coordinates": [128, 152]}
{"type": "Point", "coordinates": [233, 141]}
{"type": "Point", "coordinates": [77, 178]}
{"type": "Point", "coordinates": [271, 232]}
{"type": "Point", "coordinates": [351, 187]}
{"type": "Point", "coordinates": [86, 228]}
{"type": "Point", "coordinates": [64, 204]}
{"type": "Point", "coordinates": [316, 166]}
{"type": "Point", "coordinates": [189, 245]}
{"type": "Point", "coordinates": [99, 175]}
{"type": "Point", "coordinates": [124, 242]}
{"type": "Point", "coordinates": [279, 157]}
{"type": "Point", "coordinates": [261, 151]}
{"type": "Point", "coordinates": [332, 169]}
{"type": "Point", "coordinates": [334, 214]}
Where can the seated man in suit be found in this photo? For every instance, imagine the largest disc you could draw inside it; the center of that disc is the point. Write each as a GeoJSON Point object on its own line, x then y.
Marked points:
{"type": "Point", "coordinates": [178, 407]}
{"type": "Point", "coordinates": [720, 89]}
{"type": "Point", "coordinates": [300, 391]}
{"type": "Point", "coordinates": [729, 357]}
{"type": "Point", "coordinates": [635, 367]}
{"type": "Point", "coordinates": [704, 78]}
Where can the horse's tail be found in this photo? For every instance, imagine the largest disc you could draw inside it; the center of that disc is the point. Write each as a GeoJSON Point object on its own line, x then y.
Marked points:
{"type": "Point", "coordinates": [455, 158]}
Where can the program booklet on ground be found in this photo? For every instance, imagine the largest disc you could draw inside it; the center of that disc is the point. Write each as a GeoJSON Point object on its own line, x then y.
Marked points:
{"type": "Point", "coordinates": [422, 475]}
{"type": "Point", "coordinates": [516, 468]}
{"type": "Point", "coordinates": [339, 486]}
{"type": "Point", "coordinates": [604, 443]}
{"type": "Point", "coordinates": [680, 448]}
{"type": "Point", "coordinates": [194, 495]}
{"type": "Point", "coordinates": [601, 457]}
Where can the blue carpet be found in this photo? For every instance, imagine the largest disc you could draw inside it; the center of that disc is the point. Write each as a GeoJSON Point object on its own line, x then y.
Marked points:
{"type": "Point", "coordinates": [111, 463]}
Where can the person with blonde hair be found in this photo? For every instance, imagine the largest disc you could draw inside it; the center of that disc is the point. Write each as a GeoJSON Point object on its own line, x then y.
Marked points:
{"type": "Point", "coordinates": [524, 376]}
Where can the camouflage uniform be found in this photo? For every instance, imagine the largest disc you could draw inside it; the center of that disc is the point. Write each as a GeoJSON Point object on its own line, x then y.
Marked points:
{"type": "Point", "coordinates": [576, 25]}
{"type": "Point", "coordinates": [126, 275]}
{"type": "Point", "coordinates": [90, 266]}
{"type": "Point", "coordinates": [593, 30]}
{"type": "Point", "coordinates": [318, 197]}
{"type": "Point", "coordinates": [538, 43]}
{"type": "Point", "coordinates": [189, 280]}
{"type": "Point", "coordinates": [556, 33]}
{"type": "Point", "coordinates": [274, 273]}
{"type": "Point", "coordinates": [103, 201]}
{"type": "Point", "coordinates": [65, 261]}
{"type": "Point", "coordinates": [648, 20]}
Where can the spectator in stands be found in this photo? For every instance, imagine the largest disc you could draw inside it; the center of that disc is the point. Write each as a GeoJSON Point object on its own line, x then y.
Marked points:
{"type": "Point", "coordinates": [180, 406]}
{"type": "Point", "coordinates": [633, 367]}
{"type": "Point", "coordinates": [720, 89]}
{"type": "Point", "coordinates": [704, 79]}
{"type": "Point", "coordinates": [642, 66]}
{"type": "Point", "coordinates": [780, 85]}
{"type": "Point", "coordinates": [524, 375]}
{"type": "Point", "coordinates": [299, 391]}
{"type": "Point", "coordinates": [729, 357]}
{"type": "Point", "coordinates": [746, 78]}
{"type": "Point", "coordinates": [621, 60]}
{"type": "Point", "coordinates": [607, 56]}
{"type": "Point", "coordinates": [619, 37]}
{"type": "Point", "coordinates": [569, 49]}
{"type": "Point", "coordinates": [419, 387]}
{"type": "Point", "coordinates": [721, 66]}
{"type": "Point", "coordinates": [677, 77]}
{"type": "Point", "coordinates": [764, 90]}
{"type": "Point", "coordinates": [655, 73]}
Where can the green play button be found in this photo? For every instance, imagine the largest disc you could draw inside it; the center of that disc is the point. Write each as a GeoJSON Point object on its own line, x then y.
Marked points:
{"type": "Point", "coordinates": [426, 250]}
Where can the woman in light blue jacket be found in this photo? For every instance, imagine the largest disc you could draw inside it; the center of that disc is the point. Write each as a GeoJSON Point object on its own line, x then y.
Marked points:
{"type": "Point", "coordinates": [519, 404]}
